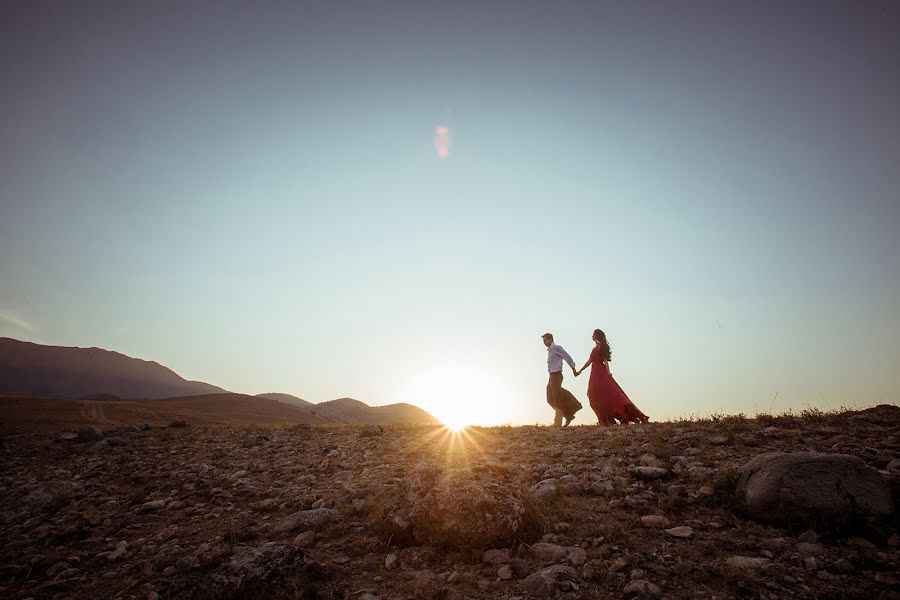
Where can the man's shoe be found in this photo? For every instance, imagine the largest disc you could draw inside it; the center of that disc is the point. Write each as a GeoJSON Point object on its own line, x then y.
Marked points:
{"type": "Point", "coordinates": [569, 420]}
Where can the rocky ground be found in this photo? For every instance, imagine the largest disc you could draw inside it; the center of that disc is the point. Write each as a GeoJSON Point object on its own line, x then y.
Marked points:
{"type": "Point", "coordinates": [643, 511]}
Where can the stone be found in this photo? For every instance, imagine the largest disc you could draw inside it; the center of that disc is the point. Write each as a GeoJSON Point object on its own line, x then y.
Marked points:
{"type": "Point", "coordinates": [371, 431]}
{"type": "Point", "coordinates": [747, 563]}
{"type": "Point", "coordinates": [577, 556]}
{"type": "Point", "coordinates": [505, 572]}
{"type": "Point", "coordinates": [843, 565]}
{"type": "Point", "coordinates": [307, 539]}
{"type": "Point", "coordinates": [782, 488]}
{"type": "Point", "coordinates": [547, 582]}
{"type": "Point", "coordinates": [178, 423]}
{"type": "Point", "coordinates": [718, 440]}
{"type": "Point", "coordinates": [496, 556]}
{"type": "Point", "coordinates": [89, 434]}
{"type": "Point", "coordinates": [468, 510]}
{"type": "Point", "coordinates": [680, 532]}
{"type": "Point", "coordinates": [549, 552]}
{"type": "Point", "coordinates": [642, 589]}
{"type": "Point", "coordinates": [649, 472]}
{"type": "Point", "coordinates": [118, 552]}
{"type": "Point", "coordinates": [544, 490]}
{"type": "Point", "coordinates": [316, 518]}
{"type": "Point", "coordinates": [810, 549]}
{"type": "Point", "coordinates": [601, 488]}
{"type": "Point", "coordinates": [655, 521]}
{"type": "Point", "coordinates": [153, 505]}
{"type": "Point", "coordinates": [893, 466]}
{"type": "Point", "coordinates": [519, 567]}
{"type": "Point", "coordinates": [808, 536]}
{"type": "Point", "coordinates": [390, 561]}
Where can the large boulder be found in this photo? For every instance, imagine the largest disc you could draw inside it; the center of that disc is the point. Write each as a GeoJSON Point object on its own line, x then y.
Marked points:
{"type": "Point", "coordinates": [464, 509]}
{"type": "Point", "coordinates": [806, 487]}
{"type": "Point", "coordinates": [455, 506]}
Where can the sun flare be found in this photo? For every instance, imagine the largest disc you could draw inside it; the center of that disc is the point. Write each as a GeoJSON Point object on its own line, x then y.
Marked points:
{"type": "Point", "coordinates": [458, 396]}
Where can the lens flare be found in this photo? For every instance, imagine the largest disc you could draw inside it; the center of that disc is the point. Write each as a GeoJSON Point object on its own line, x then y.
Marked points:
{"type": "Point", "coordinates": [442, 141]}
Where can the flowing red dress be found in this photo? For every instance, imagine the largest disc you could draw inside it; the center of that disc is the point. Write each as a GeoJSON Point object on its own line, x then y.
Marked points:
{"type": "Point", "coordinates": [606, 397]}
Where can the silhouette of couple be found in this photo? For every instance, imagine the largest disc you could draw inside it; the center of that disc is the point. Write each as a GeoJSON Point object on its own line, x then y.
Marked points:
{"type": "Point", "coordinates": [607, 399]}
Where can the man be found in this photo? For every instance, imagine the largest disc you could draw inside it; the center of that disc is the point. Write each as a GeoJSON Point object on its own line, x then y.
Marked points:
{"type": "Point", "coordinates": [562, 400]}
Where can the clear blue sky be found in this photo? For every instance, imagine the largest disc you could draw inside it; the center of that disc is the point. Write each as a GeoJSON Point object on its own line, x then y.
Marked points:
{"type": "Point", "coordinates": [249, 193]}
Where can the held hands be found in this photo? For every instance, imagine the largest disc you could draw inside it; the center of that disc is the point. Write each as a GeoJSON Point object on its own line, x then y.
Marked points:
{"type": "Point", "coordinates": [575, 372]}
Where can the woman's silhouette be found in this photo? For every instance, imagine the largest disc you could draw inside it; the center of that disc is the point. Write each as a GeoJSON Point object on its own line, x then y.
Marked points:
{"type": "Point", "coordinates": [606, 397]}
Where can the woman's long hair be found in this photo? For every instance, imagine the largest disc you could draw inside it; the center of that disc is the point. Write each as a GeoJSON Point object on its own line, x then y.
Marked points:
{"type": "Point", "coordinates": [605, 350]}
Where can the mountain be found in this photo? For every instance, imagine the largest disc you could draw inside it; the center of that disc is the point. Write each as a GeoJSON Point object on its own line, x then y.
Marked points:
{"type": "Point", "coordinates": [286, 398]}
{"type": "Point", "coordinates": [210, 409]}
{"type": "Point", "coordinates": [348, 410]}
{"type": "Point", "coordinates": [100, 378]}
{"type": "Point", "coordinates": [29, 369]}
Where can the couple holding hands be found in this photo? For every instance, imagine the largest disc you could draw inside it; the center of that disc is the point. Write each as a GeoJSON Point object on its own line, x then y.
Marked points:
{"type": "Point", "coordinates": [607, 399]}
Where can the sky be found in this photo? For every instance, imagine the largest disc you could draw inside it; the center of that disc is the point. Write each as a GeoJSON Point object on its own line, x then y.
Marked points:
{"type": "Point", "coordinates": [258, 196]}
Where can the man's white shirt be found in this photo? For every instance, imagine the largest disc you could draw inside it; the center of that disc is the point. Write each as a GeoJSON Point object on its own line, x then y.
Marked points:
{"type": "Point", "coordinates": [555, 357]}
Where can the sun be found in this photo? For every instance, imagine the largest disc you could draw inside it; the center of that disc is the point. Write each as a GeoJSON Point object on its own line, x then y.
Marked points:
{"type": "Point", "coordinates": [458, 396]}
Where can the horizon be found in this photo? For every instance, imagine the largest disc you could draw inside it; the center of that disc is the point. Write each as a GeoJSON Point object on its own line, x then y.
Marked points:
{"type": "Point", "coordinates": [393, 203]}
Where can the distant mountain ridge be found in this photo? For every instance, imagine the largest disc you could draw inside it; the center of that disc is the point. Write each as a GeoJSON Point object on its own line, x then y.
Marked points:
{"type": "Point", "coordinates": [286, 399]}
{"type": "Point", "coordinates": [67, 372]}
{"type": "Point", "coordinates": [96, 375]}
{"type": "Point", "coordinates": [349, 410]}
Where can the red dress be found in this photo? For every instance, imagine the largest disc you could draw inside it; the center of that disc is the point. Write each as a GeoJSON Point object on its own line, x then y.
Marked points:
{"type": "Point", "coordinates": [606, 397]}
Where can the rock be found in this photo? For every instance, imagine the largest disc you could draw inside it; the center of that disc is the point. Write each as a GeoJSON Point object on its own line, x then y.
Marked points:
{"type": "Point", "coordinates": [307, 539]}
{"type": "Point", "coordinates": [680, 532]}
{"type": "Point", "coordinates": [546, 582]}
{"type": "Point", "coordinates": [842, 565]}
{"type": "Point", "coordinates": [648, 460]}
{"type": "Point", "coordinates": [56, 569]}
{"type": "Point", "coordinates": [505, 572]}
{"type": "Point", "coordinates": [468, 510]}
{"type": "Point", "coordinates": [256, 567]}
{"type": "Point", "coordinates": [718, 440]}
{"type": "Point", "coordinates": [254, 441]}
{"type": "Point", "coordinates": [315, 519]}
{"type": "Point", "coordinates": [649, 472]}
{"type": "Point", "coordinates": [390, 561]}
{"type": "Point", "coordinates": [371, 431]}
{"type": "Point", "coordinates": [89, 434]}
{"type": "Point", "coordinates": [577, 556]}
{"type": "Point", "coordinates": [118, 552]}
{"type": "Point", "coordinates": [544, 490]}
{"type": "Point", "coordinates": [642, 589]}
{"type": "Point", "coordinates": [810, 549]}
{"type": "Point", "coordinates": [178, 423]}
{"type": "Point", "coordinates": [186, 564]}
{"type": "Point", "coordinates": [601, 488]}
{"type": "Point", "coordinates": [549, 552]}
{"type": "Point", "coordinates": [893, 467]}
{"type": "Point", "coordinates": [783, 488]}
{"type": "Point", "coordinates": [808, 536]}
{"type": "Point", "coordinates": [496, 556]}
{"type": "Point", "coordinates": [655, 521]}
{"type": "Point", "coordinates": [153, 505]}
{"type": "Point", "coordinates": [519, 567]}
{"type": "Point", "coordinates": [774, 544]}
{"type": "Point", "coordinates": [747, 563]}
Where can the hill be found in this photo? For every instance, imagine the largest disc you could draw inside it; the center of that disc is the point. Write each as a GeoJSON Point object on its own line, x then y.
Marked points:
{"type": "Point", "coordinates": [55, 414]}
{"type": "Point", "coordinates": [348, 410]}
{"type": "Point", "coordinates": [29, 369]}
{"type": "Point", "coordinates": [644, 511]}
{"type": "Point", "coordinates": [286, 398]}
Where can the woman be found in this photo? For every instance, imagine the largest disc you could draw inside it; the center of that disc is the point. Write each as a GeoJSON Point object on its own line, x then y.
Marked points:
{"type": "Point", "coordinates": [606, 397]}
